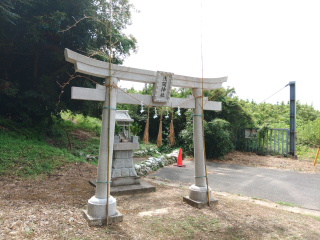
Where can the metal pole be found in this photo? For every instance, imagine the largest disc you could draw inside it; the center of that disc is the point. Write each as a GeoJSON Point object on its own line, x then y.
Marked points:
{"type": "Point", "coordinates": [282, 141]}
{"type": "Point", "coordinates": [292, 118]}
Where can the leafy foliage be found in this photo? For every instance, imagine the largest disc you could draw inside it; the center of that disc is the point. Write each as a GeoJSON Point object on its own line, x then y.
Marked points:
{"type": "Point", "coordinates": [70, 121]}
{"type": "Point", "coordinates": [135, 128]}
{"type": "Point", "coordinates": [232, 109]}
{"type": "Point", "coordinates": [32, 53]}
{"type": "Point", "coordinates": [218, 137]}
{"type": "Point", "coordinates": [186, 135]}
{"type": "Point", "coordinates": [117, 129]}
{"type": "Point", "coordinates": [277, 115]}
{"type": "Point", "coordinates": [24, 156]}
{"type": "Point", "coordinates": [7, 9]}
{"type": "Point", "coordinates": [309, 133]}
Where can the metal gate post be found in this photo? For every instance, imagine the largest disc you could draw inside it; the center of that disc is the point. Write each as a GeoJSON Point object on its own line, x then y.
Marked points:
{"type": "Point", "coordinates": [292, 118]}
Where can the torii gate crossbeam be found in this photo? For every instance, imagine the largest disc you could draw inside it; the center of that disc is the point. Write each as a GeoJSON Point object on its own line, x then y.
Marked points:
{"type": "Point", "coordinates": [98, 68]}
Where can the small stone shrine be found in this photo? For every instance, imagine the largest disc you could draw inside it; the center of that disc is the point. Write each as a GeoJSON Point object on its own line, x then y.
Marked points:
{"type": "Point", "coordinates": [123, 172]}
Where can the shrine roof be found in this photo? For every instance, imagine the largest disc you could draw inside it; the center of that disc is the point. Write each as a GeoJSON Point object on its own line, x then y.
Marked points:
{"type": "Point", "coordinates": [123, 116]}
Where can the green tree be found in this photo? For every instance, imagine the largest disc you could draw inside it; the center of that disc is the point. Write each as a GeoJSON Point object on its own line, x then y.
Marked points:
{"type": "Point", "coordinates": [7, 9]}
{"type": "Point", "coordinates": [32, 64]}
{"type": "Point", "coordinates": [232, 109]}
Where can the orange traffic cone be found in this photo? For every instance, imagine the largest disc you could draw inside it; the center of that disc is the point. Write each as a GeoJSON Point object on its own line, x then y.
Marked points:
{"type": "Point", "coordinates": [179, 161]}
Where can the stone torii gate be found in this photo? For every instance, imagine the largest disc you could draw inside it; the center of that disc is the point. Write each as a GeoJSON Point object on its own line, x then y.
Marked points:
{"type": "Point", "coordinates": [82, 64]}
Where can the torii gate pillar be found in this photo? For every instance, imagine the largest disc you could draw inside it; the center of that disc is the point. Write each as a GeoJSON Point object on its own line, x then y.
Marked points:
{"type": "Point", "coordinates": [198, 195]}
{"type": "Point", "coordinates": [97, 203]}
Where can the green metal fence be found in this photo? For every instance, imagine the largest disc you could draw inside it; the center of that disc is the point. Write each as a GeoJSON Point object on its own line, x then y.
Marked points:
{"type": "Point", "coordinates": [264, 141]}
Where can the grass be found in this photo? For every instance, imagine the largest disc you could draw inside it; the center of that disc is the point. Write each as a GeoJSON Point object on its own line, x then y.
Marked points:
{"type": "Point", "coordinates": [29, 230]}
{"type": "Point", "coordinates": [307, 153]}
{"type": "Point", "coordinates": [287, 204]}
{"type": "Point", "coordinates": [255, 198]}
{"type": "Point", "coordinates": [22, 157]}
{"type": "Point", "coordinates": [24, 152]}
{"type": "Point", "coordinates": [81, 147]}
{"type": "Point", "coordinates": [315, 217]}
{"type": "Point", "coordinates": [78, 121]}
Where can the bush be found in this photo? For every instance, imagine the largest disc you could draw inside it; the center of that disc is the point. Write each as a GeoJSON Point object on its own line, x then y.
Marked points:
{"type": "Point", "coordinates": [309, 133]}
{"type": "Point", "coordinates": [218, 137]}
{"type": "Point", "coordinates": [135, 128]}
{"type": "Point", "coordinates": [186, 135]}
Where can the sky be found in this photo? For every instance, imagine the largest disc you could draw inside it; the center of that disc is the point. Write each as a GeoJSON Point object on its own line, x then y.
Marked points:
{"type": "Point", "coordinates": [260, 45]}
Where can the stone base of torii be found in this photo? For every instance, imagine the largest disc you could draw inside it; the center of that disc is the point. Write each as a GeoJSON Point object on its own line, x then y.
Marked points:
{"type": "Point", "coordinates": [96, 213]}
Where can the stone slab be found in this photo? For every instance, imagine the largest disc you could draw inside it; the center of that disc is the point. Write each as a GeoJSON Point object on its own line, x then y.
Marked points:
{"type": "Point", "coordinates": [125, 146]}
{"type": "Point", "coordinates": [144, 187]}
{"type": "Point", "coordinates": [116, 173]}
{"type": "Point", "coordinates": [118, 163]}
{"type": "Point", "coordinates": [197, 204]}
{"type": "Point", "coordinates": [123, 154]}
{"type": "Point", "coordinates": [118, 217]}
{"type": "Point", "coordinates": [125, 172]}
{"type": "Point", "coordinates": [125, 181]}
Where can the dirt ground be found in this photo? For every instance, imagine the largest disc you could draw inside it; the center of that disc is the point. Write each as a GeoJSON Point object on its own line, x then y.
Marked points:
{"type": "Point", "coordinates": [49, 207]}
{"type": "Point", "coordinates": [272, 162]}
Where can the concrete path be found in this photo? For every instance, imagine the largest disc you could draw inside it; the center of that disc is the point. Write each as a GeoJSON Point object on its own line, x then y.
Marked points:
{"type": "Point", "coordinates": [286, 186]}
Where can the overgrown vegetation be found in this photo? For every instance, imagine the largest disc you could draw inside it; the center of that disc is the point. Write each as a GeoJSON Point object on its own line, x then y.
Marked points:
{"type": "Point", "coordinates": [309, 133]}
{"type": "Point", "coordinates": [32, 43]}
{"type": "Point", "coordinates": [22, 156]}
{"type": "Point", "coordinates": [267, 115]}
{"type": "Point", "coordinates": [29, 151]}
{"type": "Point", "coordinates": [75, 137]}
